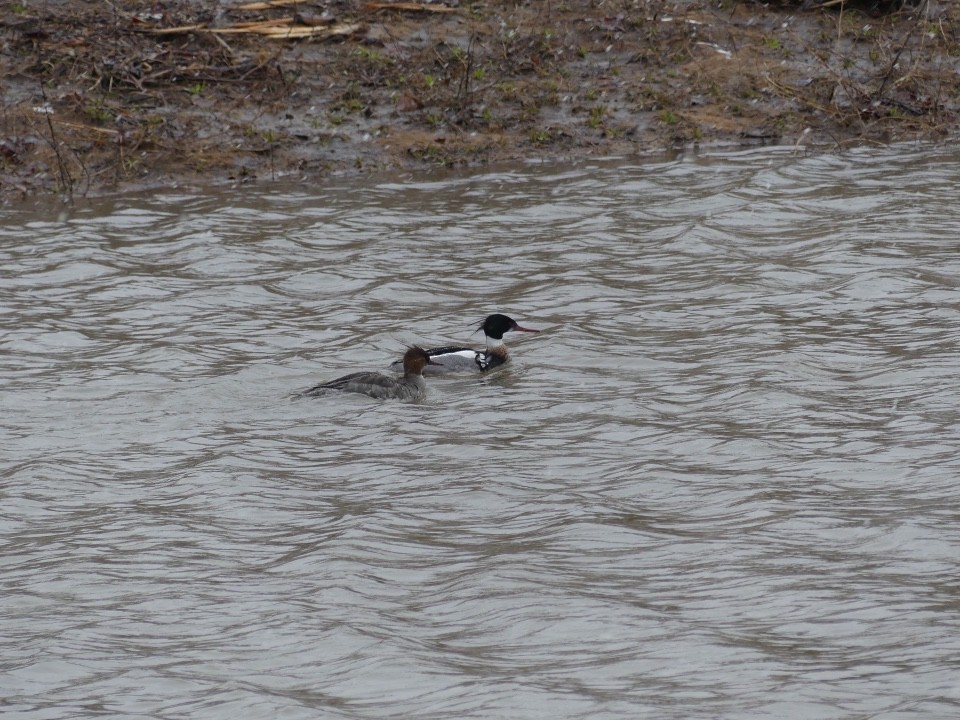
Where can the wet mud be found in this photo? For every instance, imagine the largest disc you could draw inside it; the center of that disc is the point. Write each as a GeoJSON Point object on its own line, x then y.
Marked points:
{"type": "Point", "coordinates": [100, 97]}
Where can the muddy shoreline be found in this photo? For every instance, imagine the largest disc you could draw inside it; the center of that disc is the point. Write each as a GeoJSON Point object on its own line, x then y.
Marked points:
{"type": "Point", "coordinates": [100, 98]}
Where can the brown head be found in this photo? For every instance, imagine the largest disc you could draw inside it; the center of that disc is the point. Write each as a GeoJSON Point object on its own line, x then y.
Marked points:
{"type": "Point", "coordinates": [415, 359]}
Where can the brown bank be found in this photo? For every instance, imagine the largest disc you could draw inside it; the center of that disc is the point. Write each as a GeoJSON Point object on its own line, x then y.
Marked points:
{"type": "Point", "coordinates": [105, 96]}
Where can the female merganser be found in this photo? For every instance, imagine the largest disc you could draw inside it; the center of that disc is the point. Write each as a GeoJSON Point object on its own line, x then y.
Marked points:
{"type": "Point", "coordinates": [452, 358]}
{"type": "Point", "coordinates": [377, 385]}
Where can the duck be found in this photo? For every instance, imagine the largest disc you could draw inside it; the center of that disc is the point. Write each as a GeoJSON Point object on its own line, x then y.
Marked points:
{"type": "Point", "coordinates": [382, 387]}
{"type": "Point", "coordinates": [454, 358]}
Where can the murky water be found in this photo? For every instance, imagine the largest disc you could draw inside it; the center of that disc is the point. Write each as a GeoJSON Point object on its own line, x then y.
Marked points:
{"type": "Point", "coordinates": [721, 484]}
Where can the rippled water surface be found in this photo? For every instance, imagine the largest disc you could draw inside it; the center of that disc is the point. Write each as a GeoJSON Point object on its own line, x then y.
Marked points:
{"type": "Point", "coordinates": [722, 483]}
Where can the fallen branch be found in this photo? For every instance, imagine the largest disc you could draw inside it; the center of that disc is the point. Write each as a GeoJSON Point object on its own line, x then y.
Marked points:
{"type": "Point", "coordinates": [280, 29]}
{"type": "Point", "coordinates": [300, 31]}
{"type": "Point", "coordinates": [789, 92]}
{"type": "Point", "coordinates": [66, 180]}
{"type": "Point", "coordinates": [91, 128]}
{"type": "Point", "coordinates": [409, 7]}
{"type": "Point", "coordinates": [175, 30]}
{"type": "Point", "coordinates": [262, 23]}
{"type": "Point", "coordinates": [267, 5]}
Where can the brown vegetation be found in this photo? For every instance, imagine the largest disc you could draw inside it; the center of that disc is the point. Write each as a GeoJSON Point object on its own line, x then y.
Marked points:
{"type": "Point", "coordinates": [103, 95]}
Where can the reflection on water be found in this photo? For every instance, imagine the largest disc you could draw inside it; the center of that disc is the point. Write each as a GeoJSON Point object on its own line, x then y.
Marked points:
{"type": "Point", "coordinates": [720, 484]}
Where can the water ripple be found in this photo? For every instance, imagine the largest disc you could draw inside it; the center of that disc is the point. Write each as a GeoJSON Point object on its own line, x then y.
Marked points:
{"type": "Point", "coordinates": [719, 484]}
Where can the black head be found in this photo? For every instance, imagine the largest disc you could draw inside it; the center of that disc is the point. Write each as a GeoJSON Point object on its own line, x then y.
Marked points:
{"type": "Point", "coordinates": [494, 326]}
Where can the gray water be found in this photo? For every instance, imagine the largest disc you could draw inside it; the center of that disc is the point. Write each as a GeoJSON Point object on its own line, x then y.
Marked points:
{"type": "Point", "coordinates": [721, 483]}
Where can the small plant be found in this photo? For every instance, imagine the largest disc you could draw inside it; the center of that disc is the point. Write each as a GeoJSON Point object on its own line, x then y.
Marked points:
{"type": "Point", "coordinates": [195, 89]}
{"type": "Point", "coordinates": [528, 113]}
{"type": "Point", "coordinates": [539, 136]}
{"type": "Point", "coordinates": [430, 153]}
{"type": "Point", "coordinates": [429, 81]}
{"type": "Point", "coordinates": [479, 73]}
{"type": "Point", "coordinates": [669, 117]}
{"type": "Point", "coordinates": [372, 56]}
{"type": "Point", "coordinates": [595, 119]}
{"type": "Point", "coordinates": [130, 164]}
{"type": "Point", "coordinates": [349, 106]}
{"type": "Point", "coordinates": [508, 91]}
{"type": "Point", "coordinates": [98, 112]}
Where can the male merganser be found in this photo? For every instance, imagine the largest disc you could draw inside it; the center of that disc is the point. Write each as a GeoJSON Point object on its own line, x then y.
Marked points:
{"type": "Point", "coordinates": [377, 385]}
{"type": "Point", "coordinates": [452, 358]}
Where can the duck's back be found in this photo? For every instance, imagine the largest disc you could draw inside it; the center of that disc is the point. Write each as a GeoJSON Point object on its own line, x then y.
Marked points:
{"type": "Point", "coordinates": [456, 359]}
{"type": "Point", "coordinates": [376, 385]}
